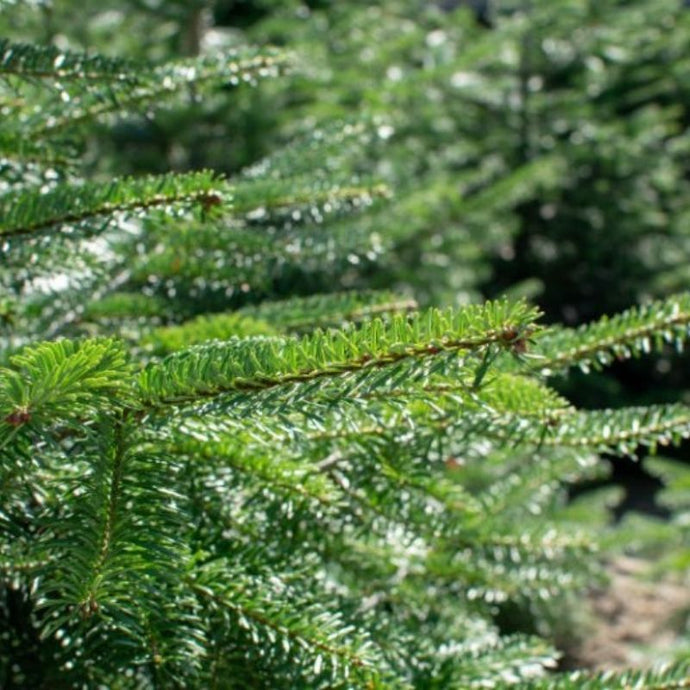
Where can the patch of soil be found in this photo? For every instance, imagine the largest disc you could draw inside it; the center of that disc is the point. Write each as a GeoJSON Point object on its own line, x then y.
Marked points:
{"type": "Point", "coordinates": [635, 621]}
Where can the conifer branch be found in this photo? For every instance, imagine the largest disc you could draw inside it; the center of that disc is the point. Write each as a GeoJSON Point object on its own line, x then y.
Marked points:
{"type": "Point", "coordinates": [17, 148]}
{"type": "Point", "coordinates": [328, 481]}
{"type": "Point", "coordinates": [257, 201]}
{"type": "Point", "coordinates": [47, 62]}
{"type": "Point", "coordinates": [63, 380]}
{"type": "Point", "coordinates": [636, 331]}
{"type": "Point", "coordinates": [161, 83]}
{"type": "Point", "coordinates": [67, 207]}
{"type": "Point", "coordinates": [618, 431]}
{"type": "Point", "coordinates": [622, 430]}
{"type": "Point", "coordinates": [312, 631]}
{"type": "Point", "coordinates": [670, 677]}
{"type": "Point", "coordinates": [262, 364]}
{"type": "Point", "coordinates": [293, 633]}
{"type": "Point", "coordinates": [285, 476]}
{"type": "Point", "coordinates": [9, 568]}
{"type": "Point", "coordinates": [89, 603]}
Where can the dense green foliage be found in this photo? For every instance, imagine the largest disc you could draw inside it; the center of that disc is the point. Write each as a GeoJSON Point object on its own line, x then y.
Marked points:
{"type": "Point", "coordinates": [253, 434]}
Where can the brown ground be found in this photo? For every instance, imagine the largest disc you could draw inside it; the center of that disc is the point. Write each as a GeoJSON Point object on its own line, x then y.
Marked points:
{"type": "Point", "coordinates": [635, 621]}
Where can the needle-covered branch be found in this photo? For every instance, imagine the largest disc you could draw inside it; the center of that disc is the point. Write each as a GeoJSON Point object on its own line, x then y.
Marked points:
{"type": "Point", "coordinates": [152, 87]}
{"type": "Point", "coordinates": [271, 363]}
{"type": "Point", "coordinates": [632, 333]}
{"type": "Point", "coordinates": [88, 208]}
{"type": "Point", "coordinates": [29, 61]}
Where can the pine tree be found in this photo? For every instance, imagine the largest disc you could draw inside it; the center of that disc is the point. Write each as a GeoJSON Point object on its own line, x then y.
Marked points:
{"type": "Point", "coordinates": [329, 490]}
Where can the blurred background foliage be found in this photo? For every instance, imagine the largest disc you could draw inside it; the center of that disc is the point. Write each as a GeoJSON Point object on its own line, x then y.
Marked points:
{"type": "Point", "coordinates": [540, 147]}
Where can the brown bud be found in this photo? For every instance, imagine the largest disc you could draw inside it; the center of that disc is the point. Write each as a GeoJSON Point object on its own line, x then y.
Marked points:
{"type": "Point", "coordinates": [89, 608]}
{"type": "Point", "coordinates": [18, 417]}
{"type": "Point", "coordinates": [210, 200]}
{"type": "Point", "coordinates": [519, 346]}
{"type": "Point", "coordinates": [509, 334]}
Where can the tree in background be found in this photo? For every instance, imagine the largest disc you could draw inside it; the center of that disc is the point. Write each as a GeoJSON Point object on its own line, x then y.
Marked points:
{"type": "Point", "coordinates": [547, 150]}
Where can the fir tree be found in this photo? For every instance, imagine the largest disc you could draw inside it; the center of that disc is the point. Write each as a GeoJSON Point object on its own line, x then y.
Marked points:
{"type": "Point", "coordinates": [330, 490]}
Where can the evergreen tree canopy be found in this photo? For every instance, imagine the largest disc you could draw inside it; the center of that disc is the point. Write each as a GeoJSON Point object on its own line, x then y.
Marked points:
{"type": "Point", "coordinates": [252, 432]}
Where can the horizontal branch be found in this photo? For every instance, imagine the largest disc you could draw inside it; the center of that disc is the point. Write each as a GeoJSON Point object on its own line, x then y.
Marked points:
{"type": "Point", "coordinates": [47, 62]}
{"type": "Point", "coordinates": [314, 631]}
{"type": "Point", "coordinates": [674, 677]}
{"type": "Point", "coordinates": [629, 334]}
{"type": "Point", "coordinates": [67, 206]}
{"type": "Point", "coordinates": [260, 364]}
{"type": "Point", "coordinates": [160, 83]}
